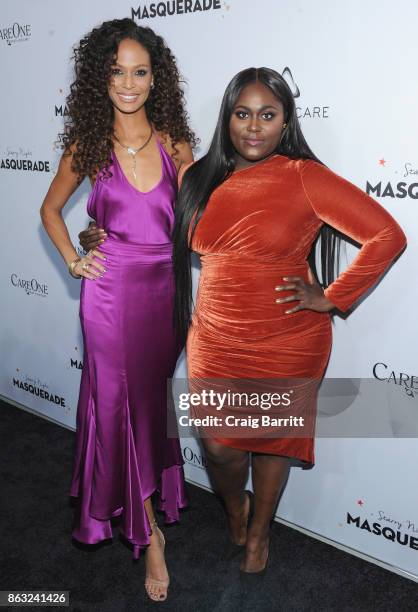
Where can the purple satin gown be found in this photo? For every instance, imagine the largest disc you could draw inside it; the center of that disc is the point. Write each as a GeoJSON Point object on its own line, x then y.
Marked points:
{"type": "Point", "coordinates": [123, 454]}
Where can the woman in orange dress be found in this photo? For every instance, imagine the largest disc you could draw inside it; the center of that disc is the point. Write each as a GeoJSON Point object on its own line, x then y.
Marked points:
{"type": "Point", "coordinates": [253, 207]}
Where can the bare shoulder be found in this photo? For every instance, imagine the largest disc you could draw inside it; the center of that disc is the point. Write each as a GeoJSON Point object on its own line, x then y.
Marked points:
{"type": "Point", "coordinates": [181, 152]}
{"type": "Point", "coordinates": [63, 185]}
{"type": "Point", "coordinates": [65, 168]}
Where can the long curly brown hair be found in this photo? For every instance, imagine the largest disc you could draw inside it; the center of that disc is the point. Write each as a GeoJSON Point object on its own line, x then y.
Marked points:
{"type": "Point", "coordinates": [89, 126]}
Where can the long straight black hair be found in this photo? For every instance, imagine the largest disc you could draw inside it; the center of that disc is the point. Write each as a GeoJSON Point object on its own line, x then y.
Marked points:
{"type": "Point", "coordinates": [205, 175]}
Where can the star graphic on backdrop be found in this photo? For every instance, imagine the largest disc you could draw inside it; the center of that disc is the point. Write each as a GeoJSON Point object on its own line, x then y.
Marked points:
{"type": "Point", "coordinates": [360, 502]}
{"type": "Point", "coordinates": [382, 161]}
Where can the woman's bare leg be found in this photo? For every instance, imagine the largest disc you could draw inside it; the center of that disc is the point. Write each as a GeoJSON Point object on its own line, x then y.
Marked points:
{"type": "Point", "coordinates": [155, 560]}
{"type": "Point", "coordinates": [228, 469]}
{"type": "Point", "coordinates": [269, 475]}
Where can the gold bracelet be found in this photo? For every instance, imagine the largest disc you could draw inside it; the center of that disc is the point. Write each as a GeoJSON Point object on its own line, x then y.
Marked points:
{"type": "Point", "coordinates": [71, 267]}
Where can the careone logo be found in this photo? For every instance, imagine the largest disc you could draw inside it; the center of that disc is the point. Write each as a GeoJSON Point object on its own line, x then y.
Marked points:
{"type": "Point", "coordinates": [401, 532]}
{"type": "Point", "coordinates": [20, 158]}
{"type": "Point", "coordinates": [193, 458]}
{"type": "Point", "coordinates": [36, 387]}
{"type": "Point", "coordinates": [407, 382]}
{"type": "Point", "coordinates": [304, 112]}
{"type": "Point", "coordinates": [17, 32]}
{"type": "Point", "coordinates": [30, 286]}
{"type": "Point", "coordinates": [396, 183]}
{"type": "Point", "coordinates": [149, 10]}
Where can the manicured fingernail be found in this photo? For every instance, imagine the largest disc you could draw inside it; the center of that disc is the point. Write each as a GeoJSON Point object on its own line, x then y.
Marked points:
{"type": "Point", "coordinates": [277, 288]}
{"type": "Point", "coordinates": [285, 277]}
{"type": "Point", "coordinates": [278, 301]}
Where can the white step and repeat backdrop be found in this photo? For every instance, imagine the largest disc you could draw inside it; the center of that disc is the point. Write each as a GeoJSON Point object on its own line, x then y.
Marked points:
{"type": "Point", "coordinates": [351, 69]}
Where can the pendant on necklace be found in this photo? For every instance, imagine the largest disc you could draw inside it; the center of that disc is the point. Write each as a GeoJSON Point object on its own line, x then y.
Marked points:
{"type": "Point", "coordinates": [133, 152]}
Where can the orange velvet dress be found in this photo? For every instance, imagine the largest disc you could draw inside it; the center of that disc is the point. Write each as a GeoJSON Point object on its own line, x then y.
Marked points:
{"type": "Point", "coordinates": [258, 226]}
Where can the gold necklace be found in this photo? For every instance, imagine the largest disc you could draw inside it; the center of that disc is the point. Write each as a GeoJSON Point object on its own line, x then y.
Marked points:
{"type": "Point", "coordinates": [132, 151]}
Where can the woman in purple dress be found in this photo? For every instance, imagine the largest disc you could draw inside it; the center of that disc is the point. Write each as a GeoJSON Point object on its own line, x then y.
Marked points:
{"type": "Point", "coordinates": [128, 133]}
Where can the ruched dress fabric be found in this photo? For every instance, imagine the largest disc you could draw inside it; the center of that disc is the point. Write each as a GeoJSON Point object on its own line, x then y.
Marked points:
{"type": "Point", "coordinates": [259, 225]}
{"type": "Point", "coordinates": [123, 454]}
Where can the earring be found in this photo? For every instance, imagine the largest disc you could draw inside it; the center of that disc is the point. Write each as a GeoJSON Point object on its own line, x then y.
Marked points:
{"type": "Point", "coordinates": [284, 125]}
{"type": "Point", "coordinates": [152, 84]}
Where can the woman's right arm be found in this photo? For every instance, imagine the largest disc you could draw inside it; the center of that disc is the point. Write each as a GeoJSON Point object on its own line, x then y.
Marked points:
{"type": "Point", "coordinates": [62, 187]}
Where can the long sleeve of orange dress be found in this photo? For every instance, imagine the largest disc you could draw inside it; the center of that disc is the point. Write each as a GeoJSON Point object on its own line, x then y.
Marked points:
{"type": "Point", "coordinates": [345, 207]}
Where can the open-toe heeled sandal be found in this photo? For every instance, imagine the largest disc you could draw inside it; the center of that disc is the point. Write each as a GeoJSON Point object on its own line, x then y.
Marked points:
{"type": "Point", "coordinates": [152, 583]}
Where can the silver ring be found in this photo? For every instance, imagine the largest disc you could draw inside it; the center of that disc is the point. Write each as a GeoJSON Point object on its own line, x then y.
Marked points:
{"type": "Point", "coordinates": [85, 266]}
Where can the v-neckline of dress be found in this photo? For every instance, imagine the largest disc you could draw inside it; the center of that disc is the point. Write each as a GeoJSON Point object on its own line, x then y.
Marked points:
{"type": "Point", "coordinates": [129, 182]}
